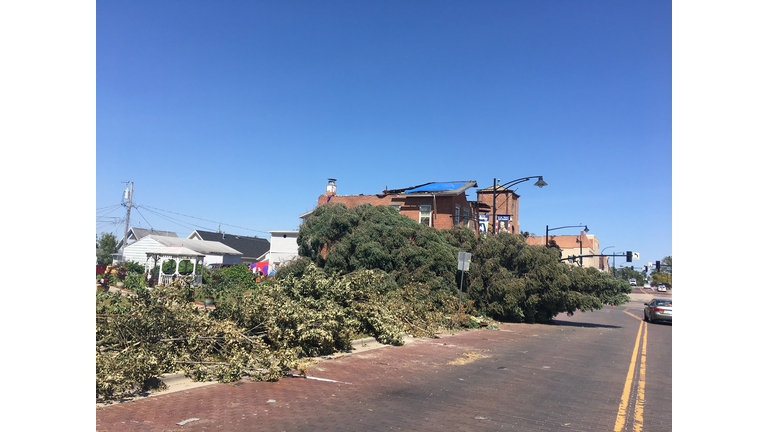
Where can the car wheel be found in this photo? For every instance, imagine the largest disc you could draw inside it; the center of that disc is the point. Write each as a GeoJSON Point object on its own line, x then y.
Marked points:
{"type": "Point", "coordinates": [650, 319]}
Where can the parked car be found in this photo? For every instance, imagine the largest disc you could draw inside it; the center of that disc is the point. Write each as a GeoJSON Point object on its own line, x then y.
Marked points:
{"type": "Point", "coordinates": [658, 310]}
{"type": "Point", "coordinates": [661, 288]}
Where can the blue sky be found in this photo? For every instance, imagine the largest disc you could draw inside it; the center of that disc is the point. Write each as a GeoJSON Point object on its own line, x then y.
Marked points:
{"type": "Point", "coordinates": [237, 112]}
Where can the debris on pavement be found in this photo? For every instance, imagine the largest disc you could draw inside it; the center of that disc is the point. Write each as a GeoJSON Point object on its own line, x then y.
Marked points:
{"type": "Point", "coordinates": [189, 420]}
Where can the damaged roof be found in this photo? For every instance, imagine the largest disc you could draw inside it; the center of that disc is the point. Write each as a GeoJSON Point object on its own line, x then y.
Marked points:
{"type": "Point", "coordinates": [435, 188]}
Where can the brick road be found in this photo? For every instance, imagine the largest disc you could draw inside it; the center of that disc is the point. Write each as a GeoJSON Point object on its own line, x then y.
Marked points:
{"type": "Point", "coordinates": [567, 376]}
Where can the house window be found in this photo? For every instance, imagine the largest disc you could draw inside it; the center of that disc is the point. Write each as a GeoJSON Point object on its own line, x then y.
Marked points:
{"type": "Point", "coordinates": [469, 221]}
{"type": "Point", "coordinates": [457, 215]}
{"type": "Point", "coordinates": [425, 214]}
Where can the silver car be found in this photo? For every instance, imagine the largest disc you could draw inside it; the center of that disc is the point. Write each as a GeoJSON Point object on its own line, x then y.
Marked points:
{"type": "Point", "coordinates": [658, 310]}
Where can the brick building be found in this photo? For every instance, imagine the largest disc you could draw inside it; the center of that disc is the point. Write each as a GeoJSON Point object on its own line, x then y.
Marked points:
{"type": "Point", "coordinates": [438, 204]}
{"type": "Point", "coordinates": [441, 205]}
{"type": "Point", "coordinates": [575, 245]}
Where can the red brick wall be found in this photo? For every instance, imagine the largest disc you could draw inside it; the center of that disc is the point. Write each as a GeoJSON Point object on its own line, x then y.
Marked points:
{"type": "Point", "coordinates": [506, 204]}
{"type": "Point", "coordinates": [442, 206]}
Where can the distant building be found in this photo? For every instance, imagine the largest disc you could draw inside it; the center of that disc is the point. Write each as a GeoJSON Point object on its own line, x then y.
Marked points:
{"type": "Point", "coordinates": [283, 248]}
{"type": "Point", "coordinates": [440, 205]}
{"type": "Point", "coordinates": [575, 245]}
{"type": "Point", "coordinates": [253, 249]}
{"type": "Point", "coordinates": [215, 252]}
{"type": "Point", "coordinates": [136, 234]}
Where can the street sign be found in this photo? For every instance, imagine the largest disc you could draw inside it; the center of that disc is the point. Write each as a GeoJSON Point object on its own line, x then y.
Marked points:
{"type": "Point", "coordinates": [464, 259]}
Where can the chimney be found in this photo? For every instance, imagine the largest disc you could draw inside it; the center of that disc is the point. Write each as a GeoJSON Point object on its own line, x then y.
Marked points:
{"type": "Point", "coordinates": [330, 188]}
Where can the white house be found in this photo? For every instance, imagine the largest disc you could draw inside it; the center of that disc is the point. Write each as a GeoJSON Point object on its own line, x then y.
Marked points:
{"type": "Point", "coordinates": [215, 252]}
{"type": "Point", "coordinates": [283, 247]}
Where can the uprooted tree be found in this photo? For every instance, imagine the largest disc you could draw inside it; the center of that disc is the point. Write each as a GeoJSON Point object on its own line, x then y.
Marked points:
{"type": "Point", "coordinates": [508, 280]}
{"type": "Point", "coordinates": [365, 271]}
{"type": "Point", "coordinates": [261, 333]}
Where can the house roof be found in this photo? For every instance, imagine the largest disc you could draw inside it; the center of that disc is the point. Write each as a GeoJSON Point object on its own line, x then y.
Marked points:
{"type": "Point", "coordinates": [201, 246]}
{"type": "Point", "coordinates": [252, 247]}
{"type": "Point", "coordinates": [139, 233]}
{"type": "Point", "coordinates": [435, 188]}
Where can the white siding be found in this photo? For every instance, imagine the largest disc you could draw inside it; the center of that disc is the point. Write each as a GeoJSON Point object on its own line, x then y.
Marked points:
{"type": "Point", "coordinates": [137, 252]}
{"type": "Point", "coordinates": [212, 259]}
{"type": "Point", "coordinates": [282, 248]}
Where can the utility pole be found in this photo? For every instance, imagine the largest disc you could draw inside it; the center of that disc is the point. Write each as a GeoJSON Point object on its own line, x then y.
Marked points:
{"type": "Point", "coordinates": [128, 191]}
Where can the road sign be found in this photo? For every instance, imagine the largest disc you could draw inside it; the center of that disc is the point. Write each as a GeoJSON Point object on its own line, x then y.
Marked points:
{"type": "Point", "coordinates": [464, 259]}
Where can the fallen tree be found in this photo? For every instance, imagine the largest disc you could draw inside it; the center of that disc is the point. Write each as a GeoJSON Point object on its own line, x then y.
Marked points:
{"type": "Point", "coordinates": [261, 334]}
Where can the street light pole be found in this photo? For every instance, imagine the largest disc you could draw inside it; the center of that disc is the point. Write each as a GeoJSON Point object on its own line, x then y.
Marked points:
{"type": "Point", "coordinates": [586, 230]}
{"type": "Point", "coordinates": [540, 183]}
{"type": "Point", "coordinates": [581, 259]}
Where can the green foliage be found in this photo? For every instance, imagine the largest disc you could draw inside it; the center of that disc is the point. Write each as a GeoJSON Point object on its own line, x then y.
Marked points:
{"type": "Point", "coordinates": [664, 275]}
{"type": "Point", "coordinates": [366, 270]}
{"type": "Point", "coordinates": [627, 273]}
{"type": "Point", "coordinates": [132, 266]}
{"type": "Point", "coordinates": [512, 281]}
{"type": "Point", "coordinates": [135, 281]}
{"type": "Point", "coordinates": [169, 267]}
{"type": "Point", "coordinates": [239, 276]}
{"type": "Point", "coordinates": [106, 245]}
{"type": "Point", "coordinates": [261, 334]}
{"type": "Point", "coordinates": [139, 338]}
{"type": "Point", "coordinates": [341, 241]}
{"type": "Point", "coordinates": [186, 267]}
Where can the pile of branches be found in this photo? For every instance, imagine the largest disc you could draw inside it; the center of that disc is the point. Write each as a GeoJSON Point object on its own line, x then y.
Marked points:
{"type": "Point", "coordinates": [262, 334]}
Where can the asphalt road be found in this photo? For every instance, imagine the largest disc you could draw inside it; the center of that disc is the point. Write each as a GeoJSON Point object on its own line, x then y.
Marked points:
{"type": "Point", "coordinates": [598, 371]}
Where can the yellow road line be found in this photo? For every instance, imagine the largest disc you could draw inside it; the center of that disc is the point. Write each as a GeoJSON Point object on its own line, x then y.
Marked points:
{"type": "Point", "coordinates": [621, 416]}
{"type": "Point", "coordinates": [640, 401]}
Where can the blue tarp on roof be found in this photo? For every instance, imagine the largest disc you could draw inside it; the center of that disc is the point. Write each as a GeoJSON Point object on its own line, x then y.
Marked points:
{"type": "Point", "coordinates": [436, 187]}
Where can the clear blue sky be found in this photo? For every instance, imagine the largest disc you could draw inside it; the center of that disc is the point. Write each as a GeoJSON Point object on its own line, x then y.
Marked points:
{"type": "Point", "coordinates": [237, 112]}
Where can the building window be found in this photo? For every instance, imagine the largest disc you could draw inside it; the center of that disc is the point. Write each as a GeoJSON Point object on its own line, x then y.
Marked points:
{"type": "Point", "coordinates": [396, 206]}
{"type": "Point", "coordinates": [425, 214]}
{"type": "Point", "coordinates": [467, 220]}
{"type": "Point", "coordinates": [457, 215]}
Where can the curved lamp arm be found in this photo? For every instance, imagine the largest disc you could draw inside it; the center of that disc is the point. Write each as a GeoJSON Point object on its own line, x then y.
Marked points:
{"type": "Point", "coordinates": [540, 183]}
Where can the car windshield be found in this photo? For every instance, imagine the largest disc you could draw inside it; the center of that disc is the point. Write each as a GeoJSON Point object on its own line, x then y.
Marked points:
{"type": "Point", "coordinates": [663, 302]}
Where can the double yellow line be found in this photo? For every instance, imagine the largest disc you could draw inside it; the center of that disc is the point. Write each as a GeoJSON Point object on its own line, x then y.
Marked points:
{"type": "Point", "coordinates": [621, 417]}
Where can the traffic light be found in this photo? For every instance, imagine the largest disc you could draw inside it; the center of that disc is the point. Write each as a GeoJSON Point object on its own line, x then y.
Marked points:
{"type": "Point", "coordinates": [658, 265]}
{"type": "Point", "coordinates": [629, 256]}
{"type": "Point", "coordinates": [645, 268]}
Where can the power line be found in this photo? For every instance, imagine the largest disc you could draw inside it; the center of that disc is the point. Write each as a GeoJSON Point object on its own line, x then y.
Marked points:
{"type": "Point", "coordinates": [145, 219]}
{"type": "Point", "coordinates": [206, 220]}
{"type": "Point", "coordinates": [172, 220]}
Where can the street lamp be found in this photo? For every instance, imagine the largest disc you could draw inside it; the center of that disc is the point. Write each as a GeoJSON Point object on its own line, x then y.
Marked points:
{"type": "Point", "coordinates": [586, 230]}
{"type": "Point", "coordinates": [581, 259]}
{"type": "Point", "coordinates": [540, 183]}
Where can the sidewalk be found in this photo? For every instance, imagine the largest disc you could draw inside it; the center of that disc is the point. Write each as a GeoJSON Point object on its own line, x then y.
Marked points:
{"type": "Point", "coordinates": [178, 382]}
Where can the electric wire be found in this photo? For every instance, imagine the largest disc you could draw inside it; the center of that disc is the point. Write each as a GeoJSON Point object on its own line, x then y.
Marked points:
{"type": "Point", "coordinates": [172, 220]}
{"type": "Point", "coordinates": [145, 219]}
{"type": "Point", "coordinates": [206, 220]}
